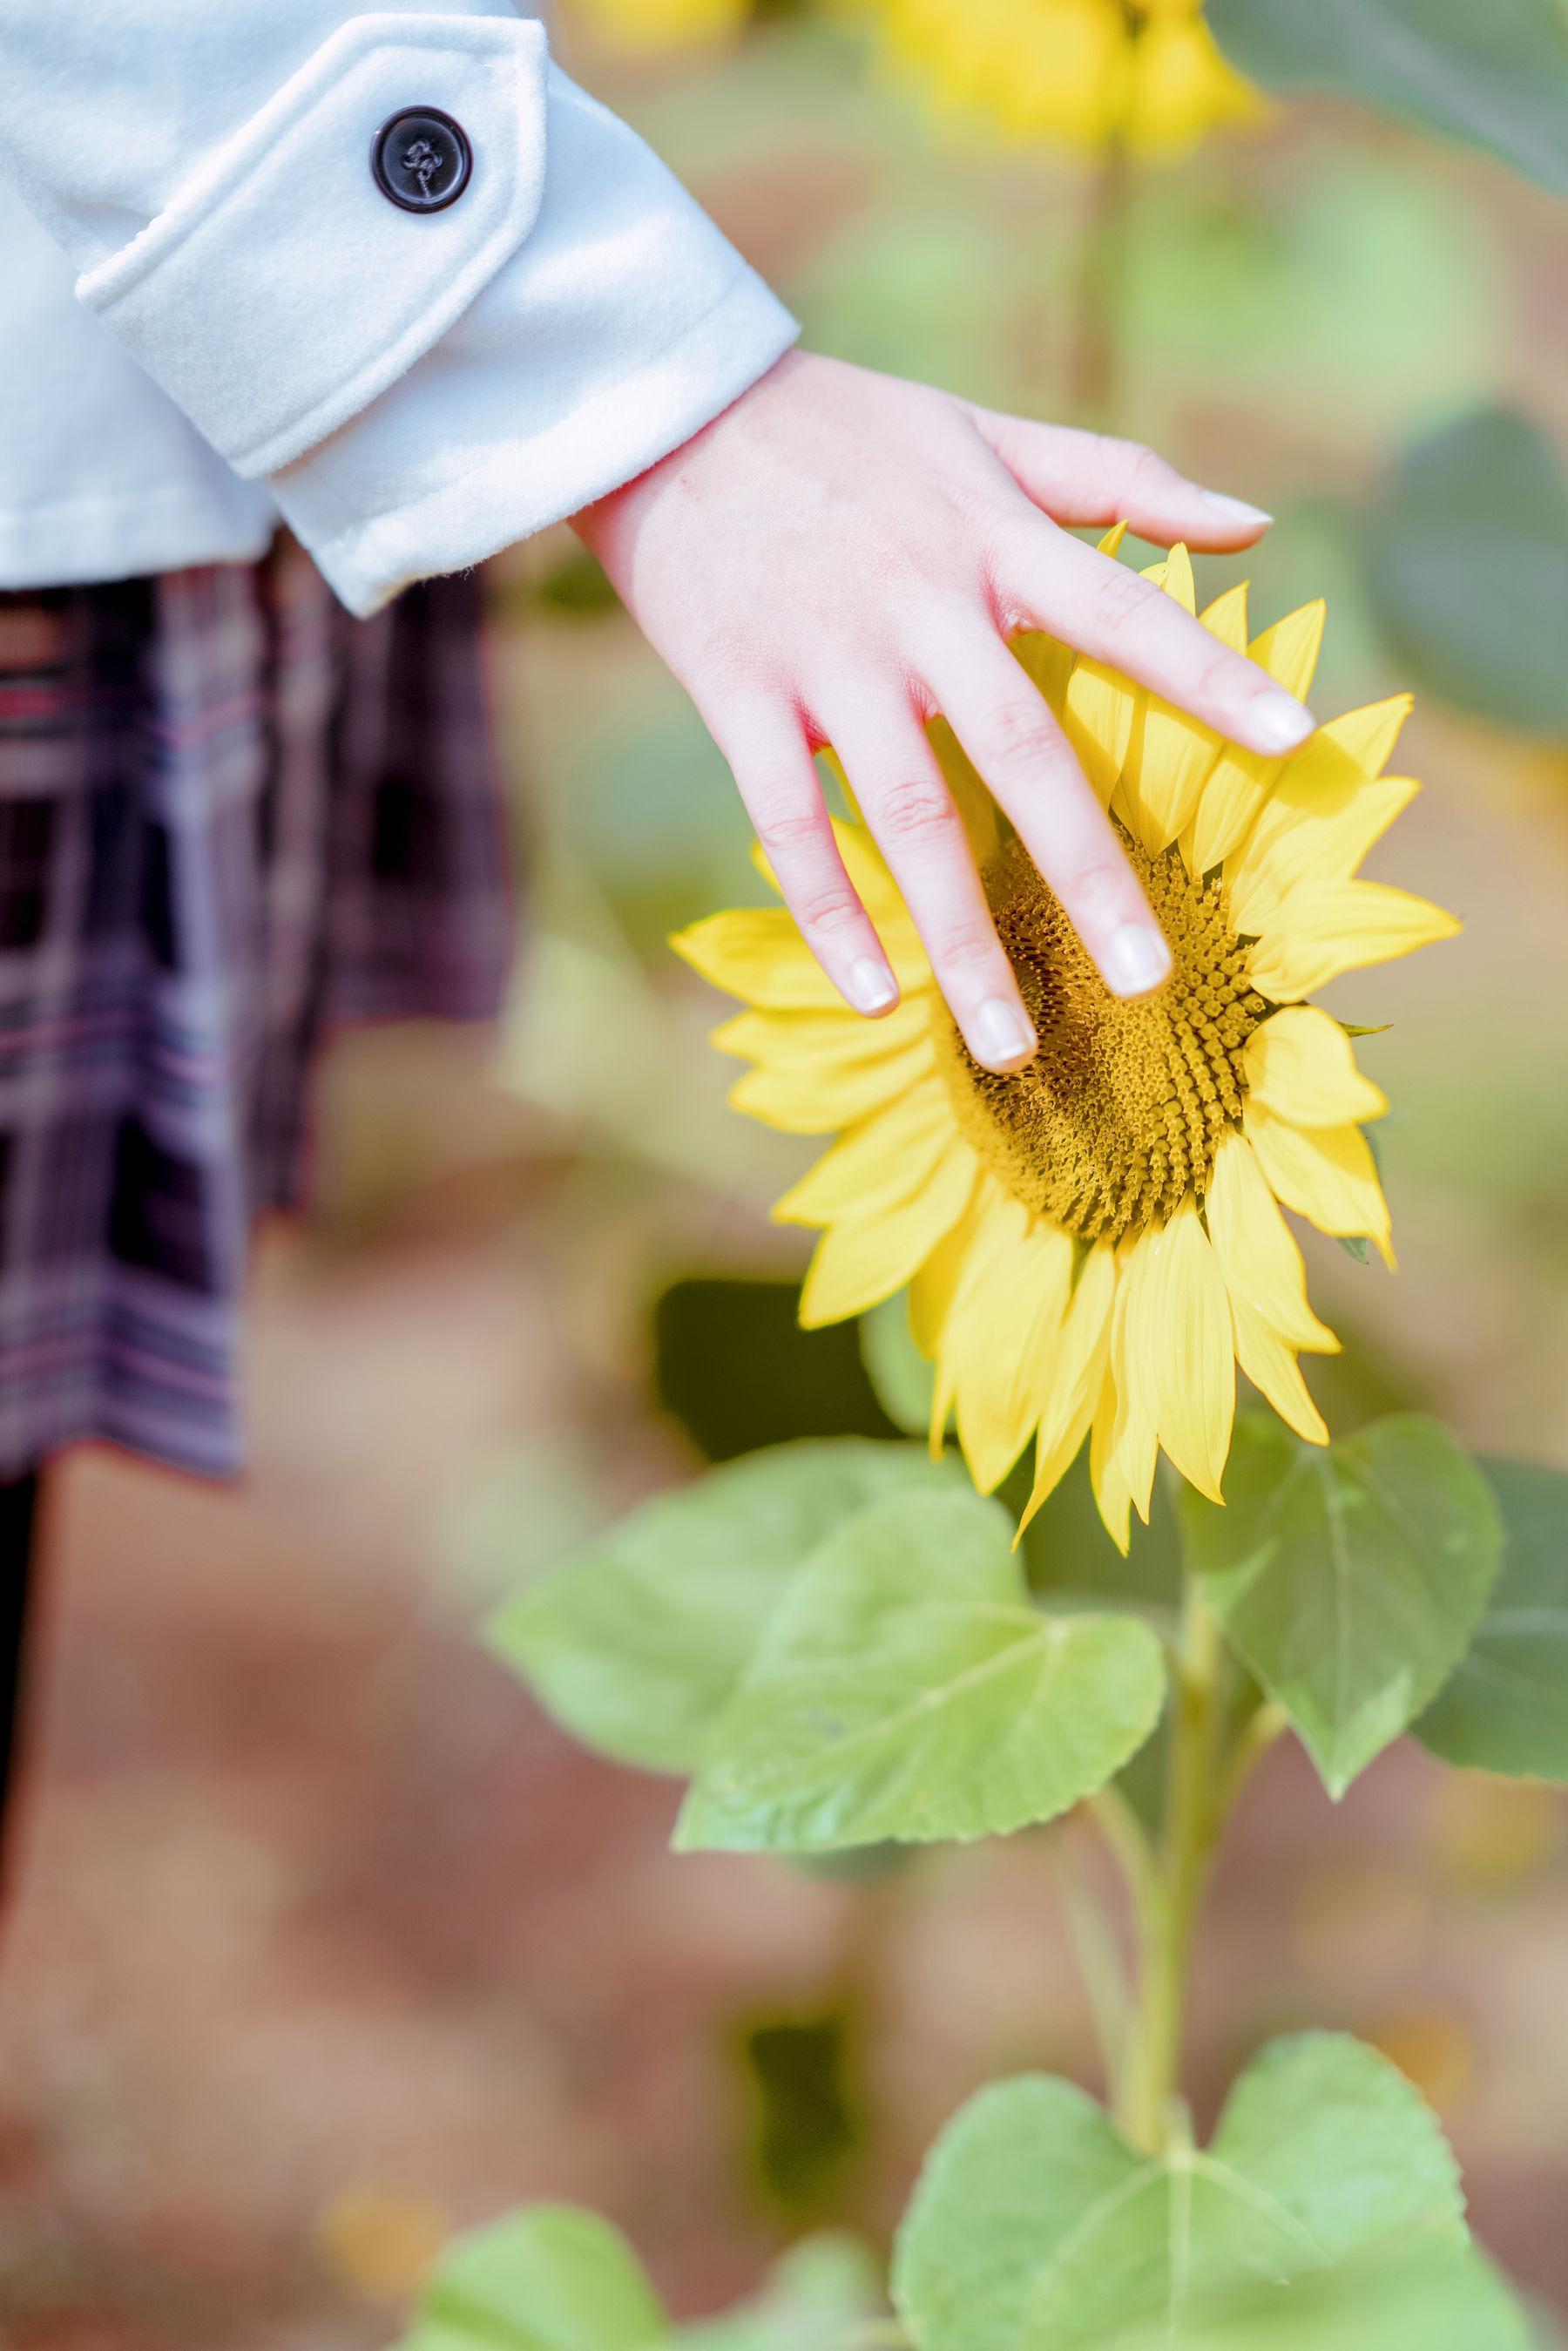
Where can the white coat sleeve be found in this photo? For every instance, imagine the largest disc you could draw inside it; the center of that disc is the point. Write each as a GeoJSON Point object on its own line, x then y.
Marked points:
{"type": "Point", "coordinates": [418, 389]}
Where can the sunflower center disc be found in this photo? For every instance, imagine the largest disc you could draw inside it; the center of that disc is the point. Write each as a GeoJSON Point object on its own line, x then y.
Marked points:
{"type": "Point", "coordinates": [1120, 1112]}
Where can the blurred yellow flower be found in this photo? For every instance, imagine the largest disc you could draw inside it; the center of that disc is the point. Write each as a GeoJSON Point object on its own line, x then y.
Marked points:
{"type": "Point", "coordinates": [1144, 73]}
{"type": "Point", "coordinates": [1092, 1244]}
{"type": "Point", "coordinates": [663, 24]}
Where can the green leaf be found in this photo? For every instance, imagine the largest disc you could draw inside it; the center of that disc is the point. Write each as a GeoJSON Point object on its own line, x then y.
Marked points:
{"type": "Point", "coordinates": [817, 2298]}
{"type": "Point", "coordinates": [903, 1380]}
{"type": "Point", "coordinates": [1350, 1577]}
{"type": "Point", "coordinates": [1506, 1706]}
{"type": "Point", "coordinates": [1072, 1562]}
{"type": "Point", "coordinates": [906, 1689]}
{"type": "Point", "coordinates": [553, 2278]}
{"type": "Point", "coordinates": [1496, 75]}
{"type": "Point", "coordinates": [1465, 554]}
{"type": "Point", "coordinates": [1439, 2300]}
{"type": "Point", "coordinates": [734, 1367]}
{"type": "Point", "coordinates": [1035, 2227]}
{"type": "Point", "coordinates": [635, 1646]}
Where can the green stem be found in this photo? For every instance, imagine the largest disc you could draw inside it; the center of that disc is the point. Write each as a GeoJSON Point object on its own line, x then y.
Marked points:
{"type": "Point", "coordinates": [1173, 1897]}
{"type": "Point", "coordinates": [1095, 386]}
{"type": "Point", "coordinates": [1168, 1879]}
{"type": "Point", "coordinates": [1103, 1977]}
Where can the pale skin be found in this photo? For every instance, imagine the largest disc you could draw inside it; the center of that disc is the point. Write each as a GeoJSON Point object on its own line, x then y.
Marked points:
{"type": "Point", "coordinates": [841, 555]}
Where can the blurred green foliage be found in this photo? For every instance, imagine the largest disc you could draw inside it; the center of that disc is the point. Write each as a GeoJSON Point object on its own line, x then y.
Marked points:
{"type": "Point", "coordinates": [805, 2123]}
{"type": "Point", "coordinates": [1497, 73]}
{"type": "Point", "coordinates": [1466, 553]}
{"type": "Point", "coordinates": [733, 1366]}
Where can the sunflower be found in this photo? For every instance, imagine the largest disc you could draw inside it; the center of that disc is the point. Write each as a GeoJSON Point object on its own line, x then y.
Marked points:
{"type": "Point", "coordinates": [1092, 1245]}
{"type": "Point", "coordinates": [1144, 74]}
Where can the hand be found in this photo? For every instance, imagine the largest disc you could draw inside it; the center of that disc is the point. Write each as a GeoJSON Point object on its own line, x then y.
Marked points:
{"type": "Point", "coordinates": [841, 555]}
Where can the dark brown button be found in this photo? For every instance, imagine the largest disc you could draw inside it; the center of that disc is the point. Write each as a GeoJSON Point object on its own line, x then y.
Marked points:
{"type": "Point", "coordinates": [421, 160]}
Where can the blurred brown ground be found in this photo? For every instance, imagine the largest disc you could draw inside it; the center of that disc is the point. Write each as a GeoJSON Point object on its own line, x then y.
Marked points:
{"type": "Point", "coordinates": [321, 1941]}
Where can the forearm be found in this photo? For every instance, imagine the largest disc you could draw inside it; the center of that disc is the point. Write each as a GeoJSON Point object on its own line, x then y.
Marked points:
{"type": "Point", "coordinates": [417, 388]}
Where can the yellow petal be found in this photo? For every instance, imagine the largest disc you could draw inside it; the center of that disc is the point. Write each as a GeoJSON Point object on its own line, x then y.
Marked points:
{"type": "Point", "coordinates": [1180, 1326]}
{"type": "Point", "coordinates": [1300, 1065]}
{"type": "Point", "coordinates": [1258, 1256]}
{"type": "Point", "coordinates": [1168, 762]}
{"type": "Point", "coordinates": [864, 1260]}
{"type": "Point", "coordinates": [1174, 576]}
{"type": "Point", "coordinates": [1113, 1500]}
{"type": "Point", "coordinates": [1289, 651]}
{"type": "Point", "coordinates": [1275, 1373]}
{"type": "Point", "coordinates": [1240, 781]}
{"type": "Point", "coordinates": [878, 892]}
{"type": "Point", "coordinates": [994, 1233]}
{"type": "Point", "coordinates": [876, 1163]}
{"type": "Point", "coordinates": [1327, 1175]}
{"type": "Point", "coordinates": [1052, 1462]}
{"type": "Point", "coordinates": [971, 794]}
{"type": "Point", "coordinates": [1072, 1379]}
{"type": "Point", "coordinates": [934, 1287]}
{"type": "Point", "coordinates": [1046, 662]}
{"type": "Point", "coordinates": [815, 1098]}
{"type": "Point", "coordinates": [830, 1041]}
{"type": "Point", "coordinates": [1325, 927]}
{"type": "Point", "coordinates": [758, 954]}
{"type": "Point", "coordinates": [1321, 816]}
{"type": "Point", "coordinates": [1325, 840]}
{"type": "Point", "coordinates": [1134, 1437]}
{"type": "Point", "coordinates": [1226, 618]}
{"type": "Point", "coordinates": [1001, 1323]}
{"type": "Point", "coordinates": [1097, 718]}
{"type": "Point", "coordinates": [1169, 758]}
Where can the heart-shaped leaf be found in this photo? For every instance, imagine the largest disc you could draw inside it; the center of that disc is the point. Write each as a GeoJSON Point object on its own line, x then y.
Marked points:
{"type": "Point", "coordinates": [906, 1689]}
{"type": "Point", "coordinates": [635, 1646]}
{"type": "Point", "coordinates": [553, 2278]}
{"type": "Point", "coordinates": [1436, 2300]}
{"type": "Point", "coordinates": [824, 2296]}
{"type": "Point", "coordinates": [1348, 1577]}
{"type": "Point", "coordinates": [1505, 1709]}
{"type": "Point", "coordinates": [556, 2278]}
{"type": "Point", "coordinates": [1035, 2227]}
{"type": "Point", "coordinates": [1496, 75]}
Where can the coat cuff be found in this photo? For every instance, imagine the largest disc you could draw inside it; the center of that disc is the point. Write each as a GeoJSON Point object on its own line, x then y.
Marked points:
{"type": "Point", "coordinates": [620, 326]}
{"type": "Point", "coordinates": [279, 292]}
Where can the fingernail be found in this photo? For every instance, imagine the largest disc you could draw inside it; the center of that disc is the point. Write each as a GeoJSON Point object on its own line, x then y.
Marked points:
{"type": "Point", "coordinates": [1137, 960]}
{"type": "Point", "coordinates": [1002, 1033]}
{"type": "Point", "coordinates": [1235, 510]}
{"type": "Point", "coordinates": [1277, 722]}
{"type": "Point", "coordinates": [872, 987]}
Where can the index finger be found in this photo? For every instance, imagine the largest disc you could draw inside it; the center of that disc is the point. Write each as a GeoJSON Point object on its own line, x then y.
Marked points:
{"type": "Point", "coordinates": [1092, 601]}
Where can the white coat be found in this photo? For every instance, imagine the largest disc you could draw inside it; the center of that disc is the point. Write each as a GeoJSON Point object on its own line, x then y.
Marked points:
{"type": "Point", "coordinates": [214, 316]}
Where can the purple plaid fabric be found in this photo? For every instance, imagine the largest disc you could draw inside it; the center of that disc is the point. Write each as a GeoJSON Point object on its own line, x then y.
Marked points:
{"type": "Point", "coordinates": [230, 816]}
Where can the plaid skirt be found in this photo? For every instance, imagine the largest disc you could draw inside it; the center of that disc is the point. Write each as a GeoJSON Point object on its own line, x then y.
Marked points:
{"type": "Point", "coordinates": [229, 817]}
